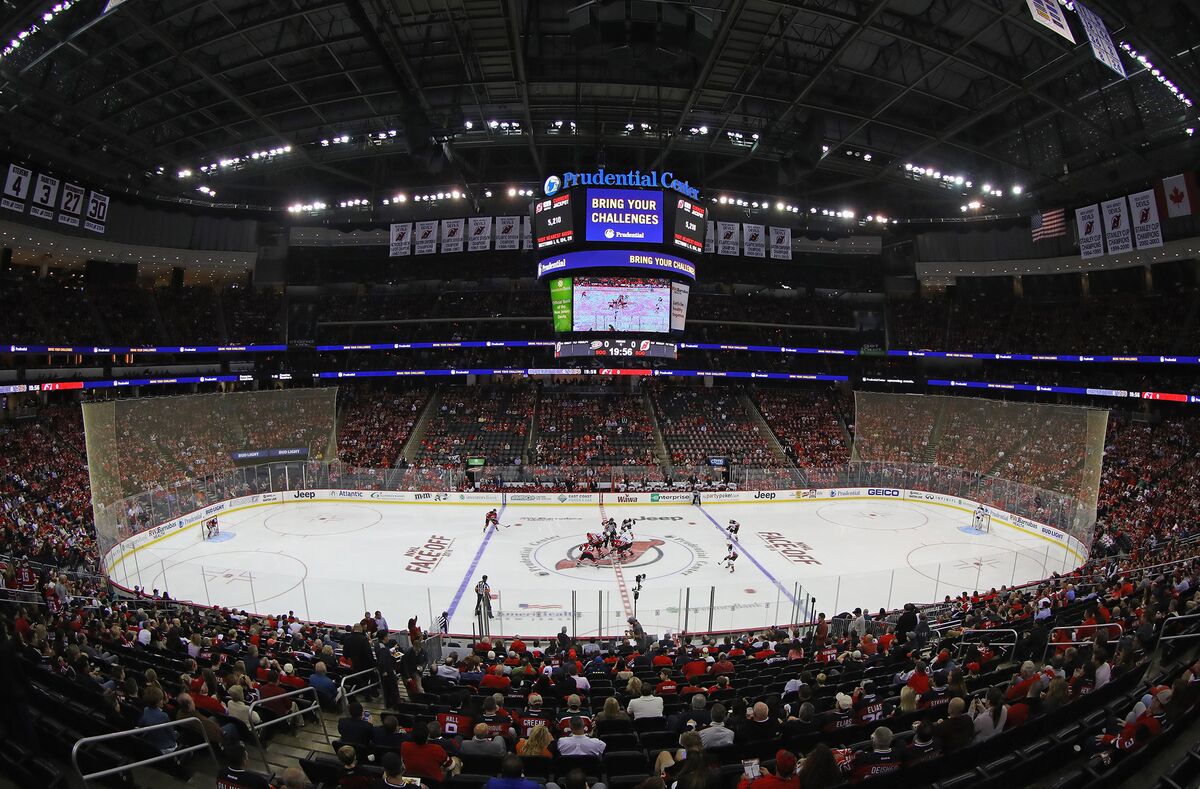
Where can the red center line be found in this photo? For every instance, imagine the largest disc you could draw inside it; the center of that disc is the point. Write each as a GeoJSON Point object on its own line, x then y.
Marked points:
{"type": "Point", "coordinates": [616, 564]}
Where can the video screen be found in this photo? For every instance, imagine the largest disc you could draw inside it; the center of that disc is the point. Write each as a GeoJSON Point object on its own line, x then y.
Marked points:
{"type": "Point", "coordinates": [622, 304]}
{"type": "Point", "coordinates": [624, 216]}
{"type": "Point", "coordinates": [552, 222]}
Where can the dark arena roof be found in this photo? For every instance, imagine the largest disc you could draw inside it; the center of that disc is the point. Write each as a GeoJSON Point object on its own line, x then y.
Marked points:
{"type": "Point", "coordinates": [816, 383]}
{"type": "Point", "coordinates": [816, 102]}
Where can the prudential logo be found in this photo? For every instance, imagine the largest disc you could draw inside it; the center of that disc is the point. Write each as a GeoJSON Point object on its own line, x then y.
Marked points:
{"type": "Point", "coordinates": [552, 185]}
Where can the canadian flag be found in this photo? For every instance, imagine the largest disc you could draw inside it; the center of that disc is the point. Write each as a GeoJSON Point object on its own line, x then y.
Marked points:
{"type": "Point", "coordinates": [1179, 194]}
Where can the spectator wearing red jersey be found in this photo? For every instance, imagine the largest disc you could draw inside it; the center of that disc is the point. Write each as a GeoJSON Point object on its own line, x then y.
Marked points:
{"type": "Point", "coordinates": [666, 686]}
{"type": "Point", "coordinates": [495, 679]}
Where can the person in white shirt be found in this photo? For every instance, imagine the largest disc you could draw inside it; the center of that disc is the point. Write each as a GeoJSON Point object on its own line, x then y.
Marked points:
{"type": "Point", "coordinates": [990, 716]}
{"type": "Point", "coordinates": [449, 670]}
{"type": "Point", "coordinates": [647, 705]}
{"type": "Point", "coordinates": [1103, 669]}
{"type": "Point", "coordinates": [238, 708]}
{"type": "Point", "coordinates": [578, 743]}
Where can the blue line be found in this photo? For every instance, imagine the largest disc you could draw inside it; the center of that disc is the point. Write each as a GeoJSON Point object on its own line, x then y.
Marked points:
{"type": "Point", "coordinates": [791, 598]}
{"type": "Point", "coordinates": [474, 563]}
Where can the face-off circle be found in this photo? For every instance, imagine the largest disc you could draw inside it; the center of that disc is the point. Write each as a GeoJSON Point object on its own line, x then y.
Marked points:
{"type": "Point", "coordinates": [656, 557]}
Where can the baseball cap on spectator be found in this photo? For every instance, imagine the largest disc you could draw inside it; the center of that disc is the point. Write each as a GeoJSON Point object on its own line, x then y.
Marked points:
{"type": "Point", "coordinates": [288, 668]}
{"type": "Point", "coordinates": [785, 763]}
{"type": "Point", "coordinates": [973, 667]}
{"type": "Point", "coordinates": [844, 702]}
{"type": "Point", "coordinates": [1163, 696]}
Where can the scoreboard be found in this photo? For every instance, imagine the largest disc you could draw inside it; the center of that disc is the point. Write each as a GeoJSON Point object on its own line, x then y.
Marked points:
{"type": "Point", "coordinates": [616, 347]}
{"type": "Point", "coordinates": [619, 253]}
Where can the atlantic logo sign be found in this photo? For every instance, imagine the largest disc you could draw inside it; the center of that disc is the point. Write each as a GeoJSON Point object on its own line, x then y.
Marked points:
{"type": "Point", "coordinates": [601, 177]}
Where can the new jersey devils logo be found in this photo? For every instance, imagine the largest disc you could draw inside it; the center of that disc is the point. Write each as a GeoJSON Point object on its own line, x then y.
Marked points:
{"type": "Point", "coordinates": [642, 553]}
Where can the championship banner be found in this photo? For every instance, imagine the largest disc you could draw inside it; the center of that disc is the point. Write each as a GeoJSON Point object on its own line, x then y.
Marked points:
{"type": "Point", "coordinates": [1048, 14]}
{"type": "Point", "coordinates": [426, 239]}
{"type": "Point", "coordinates": [1098, 36]}
{"type": "Point", "coordinates": [45, 195]}
{"type": "Point", "coordinates": [1147, 229]}
{"type": "Point", "coordinates": [1116, 226]}
{"type": "Point", "coordinates": [71, 205]}
{"type": "Point", "coordinates": [452, 235]}
{"type": "Point", "coordinates": [781, 243]}
{"type": "Point", "coordinates": [479, 238]}
{"type": "Point", "coordinates": [1091, 237]}
{"type": "Point", "coordinates": [526, 232]}
{"type": "Point", "coordinates": [400, 240]}
{"type": "Point", "coordinates": [727, 239]}
{"type": "Point", "coordinates": [710, 238]}
{"type": "Point", "coordinates": [97, 212]}
{"type": "Point", "coordinates": [755, 240]}
{"type": "Point", "coordinates": [508, 230]}
{"type": "Point", "coordinates": [16, 188]}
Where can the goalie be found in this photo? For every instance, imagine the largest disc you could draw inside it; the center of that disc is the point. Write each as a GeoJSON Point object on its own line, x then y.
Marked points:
{"type": "Point", "coordinates": [211, 528]}
{"type": "Point", "coordinates": [981, 519]}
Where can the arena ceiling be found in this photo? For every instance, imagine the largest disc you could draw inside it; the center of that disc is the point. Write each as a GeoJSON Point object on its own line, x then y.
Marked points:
{"type": "Point", "coordinates": [816, 101]}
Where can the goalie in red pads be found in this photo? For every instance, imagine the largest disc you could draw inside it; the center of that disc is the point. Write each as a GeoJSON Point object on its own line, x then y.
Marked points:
{"type": "Point", "coordinates": [211, 528]}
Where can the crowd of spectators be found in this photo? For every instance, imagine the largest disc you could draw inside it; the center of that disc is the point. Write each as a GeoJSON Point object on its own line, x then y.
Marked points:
{"type": "Point", "coordinates": [852, 697]}
{"type": "Point", "coordinates": [375, 422]}
{"type": "Point", "coordinates": [698, 423]}
{"type": "Point", "coordinates": [593, 430]}
{"type": "Point", "coordinates": [488, 422]}
{"type": "Point", "coordinates": [60, 311]}
{"type": "Point", "coordinates": [807, 426]}
{"type": "Point", "coordinates": [1099, 324]}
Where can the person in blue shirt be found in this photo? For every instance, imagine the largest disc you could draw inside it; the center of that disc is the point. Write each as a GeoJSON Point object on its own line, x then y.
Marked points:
{"type": "Point", "coordinates": [163, 739]}
{"type": "Point", "coordinates": [511, 776]}
{"type": "Point", "coordinates": [326, 688]}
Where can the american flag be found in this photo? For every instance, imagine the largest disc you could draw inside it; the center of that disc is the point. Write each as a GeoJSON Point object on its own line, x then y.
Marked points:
{"type": "Point", "coordinates": [1048, 224]}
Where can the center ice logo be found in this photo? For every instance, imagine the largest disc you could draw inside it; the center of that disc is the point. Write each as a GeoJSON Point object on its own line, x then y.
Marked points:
{"type": "Point", "coordinates": [634, 556]}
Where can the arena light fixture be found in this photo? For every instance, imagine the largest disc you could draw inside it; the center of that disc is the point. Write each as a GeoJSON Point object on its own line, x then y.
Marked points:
{"type": "Point", "coordinates": [512, 192]}
{"type": "Point", "coordinates": [1017, 189]}
{"type": "Point", "coordinates": [468, 125]}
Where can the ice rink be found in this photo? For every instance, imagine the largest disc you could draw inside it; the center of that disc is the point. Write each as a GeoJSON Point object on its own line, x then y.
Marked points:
{"type": "Point", "coordinates": [332, 561]}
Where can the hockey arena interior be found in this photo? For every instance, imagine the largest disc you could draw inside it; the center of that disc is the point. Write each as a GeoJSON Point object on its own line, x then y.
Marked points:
{"type": "Point", "coordinates": [606, 394]}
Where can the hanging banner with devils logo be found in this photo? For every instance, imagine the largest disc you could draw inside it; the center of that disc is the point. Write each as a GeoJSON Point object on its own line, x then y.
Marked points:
{"type": "Point", "coordinates": [1091, 234]}
{"type": "Point", "coordinates": [1116, 226]}
{"type": "Point", "coordinates": [1147, 229]}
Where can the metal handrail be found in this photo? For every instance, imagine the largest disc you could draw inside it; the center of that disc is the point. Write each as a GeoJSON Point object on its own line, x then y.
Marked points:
{"type": "Point", "coordinates": [314, 707]}
{"type": "Point", "coordinates": [1072, 629]}
{"type": "Point", "coordinates": [151, 760]}
{"type": "Point", "coordinates": [1011, 646]}
{"type": "Point", "coordinates": [342, 694]}
{"type": "Point", "coordinates": [1176, 619]}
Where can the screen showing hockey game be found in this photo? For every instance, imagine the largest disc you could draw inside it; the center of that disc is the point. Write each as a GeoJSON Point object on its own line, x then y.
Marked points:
{"type": "Point", "coordinates": [622, 304]}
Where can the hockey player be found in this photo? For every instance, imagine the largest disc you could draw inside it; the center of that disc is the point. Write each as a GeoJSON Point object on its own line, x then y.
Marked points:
{"type": "Point", "coordinates": [491, 519]}
{"type": "Point", "coordinates": [627, 526]}
{"type": "Point", "coordinates": [622, 545]}
{"type": "Point", "coordinates": [734, 528]}
{"type": "Point", "coordinates": [211, 528]}
{"type": "Point", "coordinates": [587, 553]}
{"type": "Point", "coordinates": [977, 520]}
{"type": "Point", "coordinates": [730, 557]}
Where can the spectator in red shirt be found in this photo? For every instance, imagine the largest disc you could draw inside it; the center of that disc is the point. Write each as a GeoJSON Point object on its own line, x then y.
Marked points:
{"type": "Point", "coordinates": [495, 680]}
{"type": "Point", "coordinates": [423, 758]}
{"type": "Point", "coordinates": [666, 686]}
{"type": "Point", "coordinates": [723, 665]}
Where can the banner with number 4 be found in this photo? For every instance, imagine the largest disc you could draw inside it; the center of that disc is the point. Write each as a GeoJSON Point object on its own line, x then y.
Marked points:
{"type": "Point", "coordinates": [16, 188]}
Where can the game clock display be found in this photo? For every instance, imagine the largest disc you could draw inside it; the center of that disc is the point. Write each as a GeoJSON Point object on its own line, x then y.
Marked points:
{"type": "Point", "coordinates": [618, 348]}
